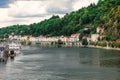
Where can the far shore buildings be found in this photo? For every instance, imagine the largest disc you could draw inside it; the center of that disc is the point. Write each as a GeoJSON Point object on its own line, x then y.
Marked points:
{"type": "Point", "coordinates": [99, 35]}
{"type": "Point", "coordinates": [72, 38]}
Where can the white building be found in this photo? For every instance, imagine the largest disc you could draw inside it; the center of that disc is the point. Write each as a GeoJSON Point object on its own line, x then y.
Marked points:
{"type": "Point", "coordinates": [14, 37]}
{"type": "Point", "coordinates": [94, 37]}
{"type": "Point", "coordinates": [34, 39]}
{"type": "Point", "coordinates": [75, 37]}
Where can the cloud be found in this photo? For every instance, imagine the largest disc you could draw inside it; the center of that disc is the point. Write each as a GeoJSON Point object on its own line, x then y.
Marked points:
{"type": "Point", "coordinates": [30, 11]}
{"type": "Point", "coordinates": [39, 8]}
{"type": "Point", "coordinates": [60, 6]}
{"type": "Point", "coordinates": [24, 9]}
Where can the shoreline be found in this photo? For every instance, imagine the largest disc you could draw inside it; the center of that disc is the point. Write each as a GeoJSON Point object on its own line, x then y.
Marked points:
{"type": "Point", "coordinates": [83, 46]}
{"type": "Point", "coordinates": [107, 48]}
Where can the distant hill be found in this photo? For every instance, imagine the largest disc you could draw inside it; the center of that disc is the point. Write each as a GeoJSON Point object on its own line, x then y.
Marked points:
{"type": "Point", "coordinates": [105, 13]}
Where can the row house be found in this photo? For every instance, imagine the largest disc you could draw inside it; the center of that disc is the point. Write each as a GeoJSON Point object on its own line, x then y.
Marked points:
{"type": "Point", "coordinates": [42, 38]}
{"type": "Point", "coordinates": [24, 38]}
{"type": "Point", "coordinates": [75, 37]}
{"type": "Point", "coordinates": [65, 39]}
{"type": "Point", "coordinates": [14, 37]}
{"type": "Point", "coordinates": [50, 39]}
{"type": "Point", "coordinates": [72, 38]}
{"type": "Point", "coordinates": [28, 38]}
{"type": "Point", "coordinates": [34, 39]}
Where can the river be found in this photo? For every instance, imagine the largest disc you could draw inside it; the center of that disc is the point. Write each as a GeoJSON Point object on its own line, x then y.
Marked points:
{"type": "Point", "coordinates": [63, 64]}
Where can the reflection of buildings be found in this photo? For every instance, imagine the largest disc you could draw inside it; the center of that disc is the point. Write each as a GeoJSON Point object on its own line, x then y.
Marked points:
{"type": "Point", "coordinates": [99, 58]}
{"type": "Point", "coordinates": [96, 58]}
{"type": "Point", "coordinates": [91, 57]}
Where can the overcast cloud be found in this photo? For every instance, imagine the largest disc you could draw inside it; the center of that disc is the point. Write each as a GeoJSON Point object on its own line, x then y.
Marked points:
{"type": "Point", "coordinates": [29, 11]}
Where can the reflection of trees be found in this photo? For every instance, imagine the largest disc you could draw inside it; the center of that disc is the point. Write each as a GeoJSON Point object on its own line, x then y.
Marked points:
{"type": "Point", "coordinates": [111, 63]}
{"type": "Point", "coordinates": [90, 58]}
{"type": "Point", "coordinates": [100, 58]}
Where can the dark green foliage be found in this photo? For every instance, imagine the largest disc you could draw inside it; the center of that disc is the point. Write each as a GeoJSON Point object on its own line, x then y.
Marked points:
{"type": "Point", "coordinates": [59, 43]}
{"type": "Point", "coordinates": [102, 43]}
{"type": "Point", "coordinates": [84, 42]}
{"type": "Point", "coordinates": [106, 12]}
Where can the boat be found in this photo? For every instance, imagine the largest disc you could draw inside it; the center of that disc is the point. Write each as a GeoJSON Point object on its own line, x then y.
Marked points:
{"type": "Point", "coordinates": [14, 46]}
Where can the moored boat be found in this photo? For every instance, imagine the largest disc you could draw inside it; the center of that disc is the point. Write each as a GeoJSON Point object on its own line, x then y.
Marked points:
{"type": "Point", "coordinates": [14, 46]}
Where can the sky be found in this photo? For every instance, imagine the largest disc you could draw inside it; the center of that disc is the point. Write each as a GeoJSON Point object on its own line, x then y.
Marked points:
{"type": "Point", "coordinates": [14, 12]}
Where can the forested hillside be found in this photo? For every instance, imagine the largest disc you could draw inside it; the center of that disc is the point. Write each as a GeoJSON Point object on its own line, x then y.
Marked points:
{"type": "Point", "coordinates": [105, 13]}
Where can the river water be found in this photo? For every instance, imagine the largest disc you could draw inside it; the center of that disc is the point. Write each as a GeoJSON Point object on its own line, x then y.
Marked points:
{"type": "Point", "coordinates": [63, 64]}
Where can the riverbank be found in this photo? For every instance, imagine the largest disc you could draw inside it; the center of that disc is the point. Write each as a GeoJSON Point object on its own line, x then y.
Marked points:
{"type": "Point", "coordinates": [70, 44]}
{"type": "Point", "coordinates": [99, 47]}
{"type": "Point", "coordinates": [83, 46]}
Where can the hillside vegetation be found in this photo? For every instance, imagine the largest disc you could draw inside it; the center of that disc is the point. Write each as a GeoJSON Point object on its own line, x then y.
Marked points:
{"type": "Point", "coordinates": [105, 13]}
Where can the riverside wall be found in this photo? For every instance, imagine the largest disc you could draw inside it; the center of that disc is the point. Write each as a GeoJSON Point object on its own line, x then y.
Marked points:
{"type": "Point", "coordinates": [53, 44]}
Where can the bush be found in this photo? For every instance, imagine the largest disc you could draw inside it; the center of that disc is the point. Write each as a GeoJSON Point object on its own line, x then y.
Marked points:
{"type": "Point", "coordinates": [84, 42]}
{"type": "Point", "coordinates": [102, 43]}
{"type": "Point", "coordinates": [93, 43]}
{"type": "Point", "coordinates": [29, 43]}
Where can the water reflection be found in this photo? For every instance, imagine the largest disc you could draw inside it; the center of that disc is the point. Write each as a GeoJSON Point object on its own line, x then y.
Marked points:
{"type": "Point", "coordinates": [101, 58]}
{"type": "Point", "coordinates": [63, 64]}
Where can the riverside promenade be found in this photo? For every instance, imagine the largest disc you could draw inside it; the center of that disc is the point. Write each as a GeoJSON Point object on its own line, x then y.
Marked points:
{"type": "Point", "coordinates": [100, 47]}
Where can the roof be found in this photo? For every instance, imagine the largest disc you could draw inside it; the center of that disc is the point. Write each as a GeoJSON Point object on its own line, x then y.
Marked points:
{"type": "Point", "coordinates": [75, 34]}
